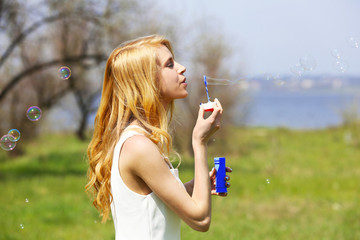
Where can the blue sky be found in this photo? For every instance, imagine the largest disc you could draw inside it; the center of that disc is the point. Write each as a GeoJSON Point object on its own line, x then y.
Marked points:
{"type": "Point", "coordinates": [271, 35]}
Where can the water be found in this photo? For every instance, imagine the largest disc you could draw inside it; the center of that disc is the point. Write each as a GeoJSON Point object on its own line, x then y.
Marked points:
{"type": "Point", "coordinates": [299, 110]}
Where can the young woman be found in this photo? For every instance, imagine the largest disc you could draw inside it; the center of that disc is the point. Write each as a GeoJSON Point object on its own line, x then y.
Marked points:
{"type": "Point", "coordinates": [129, 168]}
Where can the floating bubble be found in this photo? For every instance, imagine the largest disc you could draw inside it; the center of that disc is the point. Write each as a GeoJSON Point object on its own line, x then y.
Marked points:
{"type": "Point", "coordinates": [33, 113]}
{"type": "Point", "coordinates": [22, 226]}
{"type": "Point", "coordinates": [268, 181]}
{"type": "Point", "coordinates": [26, 200]}
{"type": "Point", "coordinates": [297, 69]}
{"type": "Point", "coordinates": [308, 63]}
{"type": "Point", "coordinates": [354, 41]}
{"type": "Point", "coordinates": [336, 53]}
{"type": "Point", "coordinates": [15, 133]}
{"type": "Point", "coordinates": [341, 65]}
{"type": "Point", "coordinates": [222, 81]}
{"type": "Point", "coordinates": [64, 72]}
{"type": "Point", "coordinates": [7, 142]}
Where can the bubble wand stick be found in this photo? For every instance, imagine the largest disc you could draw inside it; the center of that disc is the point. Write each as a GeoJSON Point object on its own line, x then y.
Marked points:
{"type": "Point", "coordinates": [207, 91]}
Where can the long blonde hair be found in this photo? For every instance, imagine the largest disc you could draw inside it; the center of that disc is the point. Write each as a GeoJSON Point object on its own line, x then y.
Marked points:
{"type": "Point", "coordinates": [130, 92]}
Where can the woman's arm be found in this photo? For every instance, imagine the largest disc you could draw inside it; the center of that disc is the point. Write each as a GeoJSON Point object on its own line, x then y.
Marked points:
{"type": "Point", "coordinates": [149, 165]}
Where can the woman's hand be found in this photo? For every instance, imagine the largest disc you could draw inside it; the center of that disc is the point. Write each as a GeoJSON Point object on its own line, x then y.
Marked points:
{"type": "Point", "coordinates": [212, 175]}
{"type": "Point", "coordinates": [206, 127]}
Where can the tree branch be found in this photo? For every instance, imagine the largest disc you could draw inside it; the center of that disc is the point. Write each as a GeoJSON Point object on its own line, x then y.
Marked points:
{"type": "Point", "coordinates": [25, 33]}
{"type": "Point", "coordinates": [41, 66]}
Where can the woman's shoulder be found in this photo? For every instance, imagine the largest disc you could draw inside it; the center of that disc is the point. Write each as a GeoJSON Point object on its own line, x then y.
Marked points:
{"type": "Point", "coordinates": [140, 147]}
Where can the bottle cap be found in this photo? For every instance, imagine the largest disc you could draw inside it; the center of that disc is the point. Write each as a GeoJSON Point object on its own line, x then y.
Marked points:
{"type": "Point", "coordinates": [208, 107]}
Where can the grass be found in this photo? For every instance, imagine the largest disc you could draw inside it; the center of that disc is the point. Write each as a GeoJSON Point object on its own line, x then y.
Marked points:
{"type": "Point", "coordinates": [285, 185]}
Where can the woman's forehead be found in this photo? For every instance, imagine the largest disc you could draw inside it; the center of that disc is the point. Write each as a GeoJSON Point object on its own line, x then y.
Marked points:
{"type": "Point", "coordinates": [164, 53]}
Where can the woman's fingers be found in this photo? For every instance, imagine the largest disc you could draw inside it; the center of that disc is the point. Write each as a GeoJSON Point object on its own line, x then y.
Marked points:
{"type": "Point", "coordinates": [201, 112]}
{"type": "Point", "coordinates": [218, 104]}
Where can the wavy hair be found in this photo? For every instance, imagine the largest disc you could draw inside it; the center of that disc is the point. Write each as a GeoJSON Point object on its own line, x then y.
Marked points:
{"type": "Point", "coordinates": [130, 92]}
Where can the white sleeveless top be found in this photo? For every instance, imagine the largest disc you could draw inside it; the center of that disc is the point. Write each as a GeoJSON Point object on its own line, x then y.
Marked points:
{"type": "Point", "coordinates": [136, 216]}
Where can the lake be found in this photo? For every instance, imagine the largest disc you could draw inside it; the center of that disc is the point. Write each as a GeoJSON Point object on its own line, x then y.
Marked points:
{"type": "Point", "coordinates": [299, 110]}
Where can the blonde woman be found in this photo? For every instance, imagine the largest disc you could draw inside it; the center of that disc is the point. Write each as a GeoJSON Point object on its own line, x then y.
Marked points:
{"type": "Point", "coordinates": [129, 168]}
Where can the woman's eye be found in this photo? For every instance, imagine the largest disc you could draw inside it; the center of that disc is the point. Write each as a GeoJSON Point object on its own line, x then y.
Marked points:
{"type": "Point", "coordinates": [170, 65]}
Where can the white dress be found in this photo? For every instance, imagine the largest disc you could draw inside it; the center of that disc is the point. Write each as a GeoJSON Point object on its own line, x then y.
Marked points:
{"type": "Point", "coordinates": [136, 216]}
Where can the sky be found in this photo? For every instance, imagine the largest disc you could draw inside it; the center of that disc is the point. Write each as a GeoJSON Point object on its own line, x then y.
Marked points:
{"type": "Point", "coordinates": [270, 36]}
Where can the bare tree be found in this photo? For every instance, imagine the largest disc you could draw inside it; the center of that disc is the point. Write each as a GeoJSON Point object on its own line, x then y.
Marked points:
{"type": "Point", "coordinates": [42, 36]}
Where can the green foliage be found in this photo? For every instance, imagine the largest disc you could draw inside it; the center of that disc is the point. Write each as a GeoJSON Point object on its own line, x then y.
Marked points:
{"type": "Point", "coordinates": [312, 191]}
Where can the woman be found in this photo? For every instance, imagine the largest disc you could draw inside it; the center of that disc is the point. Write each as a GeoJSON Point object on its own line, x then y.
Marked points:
{"type": "Point", "coordinates": [129, 168]}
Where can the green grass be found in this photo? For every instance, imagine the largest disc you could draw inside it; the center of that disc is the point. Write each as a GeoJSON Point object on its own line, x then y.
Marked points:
{"type": "Point", "coordinates": [313, 191]}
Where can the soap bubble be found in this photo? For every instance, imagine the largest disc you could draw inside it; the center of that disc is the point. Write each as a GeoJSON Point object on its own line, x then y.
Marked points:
{"type": "Point", "coordinates": [33, 113]}
{"type": "Point", "coordinates": [222, 81]}
{"type": "Point", "coordinates": [64, 72]}
{"type": "Point", "coordinates": [15, 133]}
{"type": "Point", "coordinates": [336, 53]}
{"type": "Point", "coordinates": [307, 62]}
{"type": "Point", "coordinates": [354, 41]}
{"type": "Point", "coordinates": [7, 142]}
{"type": "Point", "coordinates": [341, 65]}
{"type": "Point", "coordinates": [22, 226]}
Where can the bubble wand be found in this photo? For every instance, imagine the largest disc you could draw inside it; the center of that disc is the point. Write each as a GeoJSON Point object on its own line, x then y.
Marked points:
{"type": "Point", "coordinates": [209, 106]}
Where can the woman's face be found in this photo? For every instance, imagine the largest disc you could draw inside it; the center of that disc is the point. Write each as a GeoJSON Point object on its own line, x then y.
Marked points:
{"type": "Point", "coordinates": [172, 81]}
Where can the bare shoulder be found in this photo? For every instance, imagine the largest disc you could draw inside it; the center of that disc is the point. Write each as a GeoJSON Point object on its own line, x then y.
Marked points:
{"type": "Point", "coordinates": [138, 149]}
{"type": "Point", "coordinates": [139, 144]}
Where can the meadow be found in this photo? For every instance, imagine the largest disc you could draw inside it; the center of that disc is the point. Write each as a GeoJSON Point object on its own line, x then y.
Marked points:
{"type": "Point", "coordinates": [285, 184]}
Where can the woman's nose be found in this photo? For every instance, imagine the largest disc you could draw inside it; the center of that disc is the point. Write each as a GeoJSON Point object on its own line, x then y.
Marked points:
{"type": "Point", "coordinates": [181, 69]}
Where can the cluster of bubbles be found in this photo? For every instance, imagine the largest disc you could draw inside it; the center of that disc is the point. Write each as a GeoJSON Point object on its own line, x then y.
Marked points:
{"type": "Point", "coordinates": [8, 141]}
{"type": "Point", "coordinates": [306, 63]}
{"type": "Point", "coordinates": [64, 72]}
{"type": "Point", "coordinates": [339, 63]}
{"type": "Point", "coordinates": [33, 113]}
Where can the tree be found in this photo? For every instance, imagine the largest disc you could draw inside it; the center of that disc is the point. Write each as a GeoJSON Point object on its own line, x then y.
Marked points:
{"type": "Point", "coordinates": [45, 35]}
